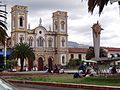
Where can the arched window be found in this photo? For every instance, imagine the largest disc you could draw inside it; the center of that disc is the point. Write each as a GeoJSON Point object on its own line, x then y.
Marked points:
{"type": "Point", "coordinates": [40, 42]}
{"type": "Point", "coordinates": [50, 41]}
{"type": "Point", "coordinates": [21, 21]}
{"type": "Point", "coordinates": [62, 25]}
{"type": "Point", "coordinates": [118, 55]}
{"type": "Point", "coordinates": [72, 56]}
{"type": "Point", "coordinates": [63, 59]}
{"type": "Point", "coordinates": [30, 41]}
{"type": "Point", "coordinates": [63, 42]}
{"type": "Point", "coordinates": [13, 21]}
{"type": "Point", "coordinates": [79, 56]}
{"type": "Point", "coordinates": [56, 25]}
{"type": "Point", "coordinates": [21, 38]}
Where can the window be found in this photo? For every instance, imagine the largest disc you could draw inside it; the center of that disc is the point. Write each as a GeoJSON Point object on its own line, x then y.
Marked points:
{"type": "Point", "coordinates": [50, 42]}
{"type": "Point", "coordinates": [21, 21]}
{"type": "Point", "coordinates": [40, 42]}
{"type": "Point", "coordinates": [79, 56]}
{"type": "Point", "coordinates": [72, 56]}
{"type": "Point", "coordinates": [21, 38]}
{"type": "Point", "coordinates": [40, 32]}
{"type": "Point", "coordinates": [112, 55]}
{"type": "Point", "coordinates": [63, 42]}
{"type": "Point", "coordinates": [63, 59]}
{"type": "Point", "coordinates": [62, 25]}
{"type": "Point", "coordinates": [56, 27]}
{"type": "Point", "coordinates": [13, 21]}
{"type": "Point", "coordinates": [118, 55]}
{"type": "Point", "coordinates": [30, 41]}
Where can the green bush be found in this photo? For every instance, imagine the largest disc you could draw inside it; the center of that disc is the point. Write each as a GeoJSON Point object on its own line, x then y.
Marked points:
{"type": "Point", "coordinates": [73, 63]}
{"type": "Point", "coordinates": [11, 63]}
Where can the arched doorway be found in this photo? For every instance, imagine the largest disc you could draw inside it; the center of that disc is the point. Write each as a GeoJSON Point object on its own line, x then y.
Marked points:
{"type": "Point", "coordinates": [40, 64]}
{"type": "Point", "coordinates": [30, 64]}
{"type": "Point", "coordinates": [50, 63]}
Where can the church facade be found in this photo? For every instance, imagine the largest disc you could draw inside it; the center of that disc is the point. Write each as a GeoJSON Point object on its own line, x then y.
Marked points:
{"type": "Point", "coordinates": [50, 46]}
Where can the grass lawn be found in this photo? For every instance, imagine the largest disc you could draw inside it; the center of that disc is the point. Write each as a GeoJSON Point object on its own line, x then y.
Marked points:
{"type": "Point", "coordinates": [68, 78]}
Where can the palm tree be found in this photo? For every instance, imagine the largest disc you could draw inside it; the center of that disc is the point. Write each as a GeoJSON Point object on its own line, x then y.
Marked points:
{"type": "Point", "coordinates": [3, 23]}
{"type": "Point", "coordinates": [3, 33]}
{"type": "Point", "coordinates": [22, 51]}
{"type": "Point", "coordinates": [90, 53]}
{"type": "Point", "coordinates": [100, 3]}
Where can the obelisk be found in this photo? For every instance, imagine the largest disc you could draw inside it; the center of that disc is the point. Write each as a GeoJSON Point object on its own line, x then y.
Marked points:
{"type": "Point", "coordinates": [96, 29]}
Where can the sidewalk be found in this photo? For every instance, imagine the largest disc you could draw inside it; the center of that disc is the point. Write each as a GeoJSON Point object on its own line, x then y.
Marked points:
{"type": "Point", "coordinates": [43, 87]}
{"type": "Point", "coordinates": [42, 72]}
{"type": "Point", "coordinates": [66, 85]}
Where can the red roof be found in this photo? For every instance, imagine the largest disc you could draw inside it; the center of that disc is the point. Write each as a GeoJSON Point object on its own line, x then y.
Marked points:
{"type": "Point", "coordinates": [113, 49]}
{"type": "Point", "coordinates": [77, 50]}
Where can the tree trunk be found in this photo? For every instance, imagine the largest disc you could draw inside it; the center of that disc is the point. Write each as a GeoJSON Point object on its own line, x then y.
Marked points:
{"type": "Point", "coordinates": [22, 63]}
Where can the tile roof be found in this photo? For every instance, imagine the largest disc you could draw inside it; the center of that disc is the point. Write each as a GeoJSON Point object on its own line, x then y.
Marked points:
{"type": "Point", "coordinates": [77, 50]}
{"type": "Point", "coordinates": [113, 49]}
{"type": "Point", "coordinates": [84, 50]}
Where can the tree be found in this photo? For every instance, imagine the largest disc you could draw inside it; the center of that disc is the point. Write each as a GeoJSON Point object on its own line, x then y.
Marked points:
{"type": "Point", "coordinates": [22, 51]}
{"type": "Point", "coordinates": [3, 33]}
{"type": "Point", "coordinates": [3, 27]}
{"type": "Point", "coordinates": [90, 53]}
{"type": "Point", "coordinates": [100, 3]}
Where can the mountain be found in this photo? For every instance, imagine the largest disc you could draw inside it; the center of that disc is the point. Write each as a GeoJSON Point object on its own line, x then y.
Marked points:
{"type": "Point", "coordinates": [72, 44]}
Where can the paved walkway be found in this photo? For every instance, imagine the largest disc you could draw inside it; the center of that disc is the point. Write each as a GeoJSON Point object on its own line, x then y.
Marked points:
{"type": "Point", "coordinates": [41, 87]}
{"type": "Point", "coordinates": [29, 72]}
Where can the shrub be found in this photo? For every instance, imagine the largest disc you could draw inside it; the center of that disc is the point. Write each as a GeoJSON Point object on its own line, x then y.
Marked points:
{"type": "Point", "coordinates": [73, 63]}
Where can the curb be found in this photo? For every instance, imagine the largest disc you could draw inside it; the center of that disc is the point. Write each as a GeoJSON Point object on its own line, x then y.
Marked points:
{"type": "Point", "coordinates": [84, 86]}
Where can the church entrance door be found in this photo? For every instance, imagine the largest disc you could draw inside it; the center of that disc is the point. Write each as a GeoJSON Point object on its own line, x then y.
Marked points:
{"type": "Point", "coordinates": [40, 64]}
{"type": "Point", "coordinates": [30, 64]}
{"type": "Point", "coordinates": [50, 64]}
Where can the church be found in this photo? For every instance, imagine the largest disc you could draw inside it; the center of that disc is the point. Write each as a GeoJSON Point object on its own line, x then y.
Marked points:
{"type": "Point", "coordinates": [50, 46]}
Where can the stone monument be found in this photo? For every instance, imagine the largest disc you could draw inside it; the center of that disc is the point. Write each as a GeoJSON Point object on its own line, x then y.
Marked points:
{"type": "Point", "coordinates": [96, 29]}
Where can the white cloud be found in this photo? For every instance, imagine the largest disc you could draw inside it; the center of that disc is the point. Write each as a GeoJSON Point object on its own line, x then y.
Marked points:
{"type": "Point", "coordinates": [79, 20]}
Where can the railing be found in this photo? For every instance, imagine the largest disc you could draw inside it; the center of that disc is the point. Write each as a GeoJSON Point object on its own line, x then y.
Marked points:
{"type": "Point", "coordinates": [107, 72]}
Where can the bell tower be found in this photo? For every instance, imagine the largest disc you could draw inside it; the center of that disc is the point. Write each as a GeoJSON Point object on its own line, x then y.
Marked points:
{"type": "Point", "coordinates": [61, 36]}
{"type": "Point", "coordinates": [60, 22]}
{"type": "Point", "coordinates": [18, 24]}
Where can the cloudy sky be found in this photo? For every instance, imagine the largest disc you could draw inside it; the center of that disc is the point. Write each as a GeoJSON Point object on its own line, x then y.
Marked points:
{"type": "Point", "coordinates": [79, 20]}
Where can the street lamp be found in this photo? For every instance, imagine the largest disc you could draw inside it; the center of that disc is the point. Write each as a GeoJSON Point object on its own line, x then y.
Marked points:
{"type": "Point", "coordinates": [5, 46]}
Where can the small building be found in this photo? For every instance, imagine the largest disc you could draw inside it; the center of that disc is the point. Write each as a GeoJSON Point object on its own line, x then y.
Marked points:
{"type": "Point", "coordinates": [113, 52]}
{"type": "Point", "coordinates": [77, 53]}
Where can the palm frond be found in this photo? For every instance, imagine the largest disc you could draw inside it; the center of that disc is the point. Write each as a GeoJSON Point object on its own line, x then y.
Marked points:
{"type": "Point", "coordinates": [93, 3]}
{"type": "Point", "coordinates": [3, 35]}
{"type": "Point", "coordinates": [102, 4]}
{"type": "Point", "coordinates": [3, 25]}
{"type": "Point", "coordinates": [22, 50]}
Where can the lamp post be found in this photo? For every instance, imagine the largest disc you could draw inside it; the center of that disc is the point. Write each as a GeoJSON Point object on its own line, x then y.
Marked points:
{"type": "Point", "coordinates": [5, 53]}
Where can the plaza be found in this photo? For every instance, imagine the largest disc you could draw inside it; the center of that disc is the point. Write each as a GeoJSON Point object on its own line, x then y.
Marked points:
{"type": "Point", "coordinates": [52, 50]}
